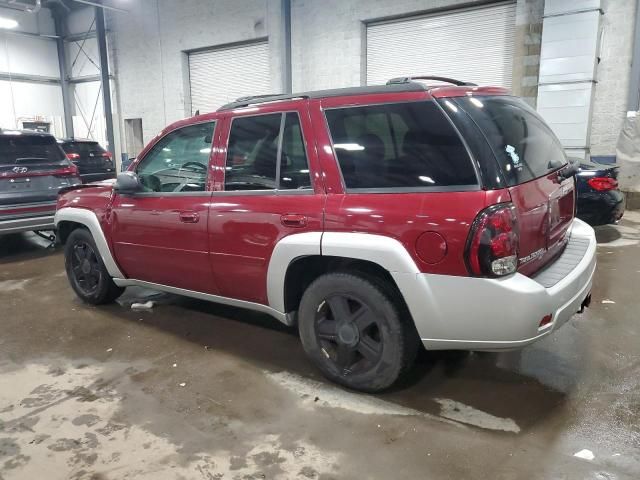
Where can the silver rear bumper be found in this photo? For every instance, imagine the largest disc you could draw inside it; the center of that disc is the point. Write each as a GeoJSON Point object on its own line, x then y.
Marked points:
{"type": "Point", "coordinates": [505, 313]}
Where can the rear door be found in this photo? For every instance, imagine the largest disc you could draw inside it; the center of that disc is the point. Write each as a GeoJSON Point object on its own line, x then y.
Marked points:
{"type": "Point", "coordinates": [530, 157]}
{"type": "Point", "coordinates": [32, 169]}
{"type": "Point", "coordinates": [267, 194]}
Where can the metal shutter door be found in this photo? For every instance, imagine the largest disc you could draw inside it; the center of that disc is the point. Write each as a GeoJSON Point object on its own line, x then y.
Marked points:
{"type": "Point", "coordinates": [474, 45]}
{"type": "Point", "coordinates": [220, 76]}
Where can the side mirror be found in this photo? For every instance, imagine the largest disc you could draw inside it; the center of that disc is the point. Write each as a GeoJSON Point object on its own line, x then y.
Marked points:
{"type": "Point", "coordinates": [127, 183]}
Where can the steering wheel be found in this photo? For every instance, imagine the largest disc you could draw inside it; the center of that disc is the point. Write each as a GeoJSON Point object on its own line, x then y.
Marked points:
{"type": "Point", "coordinates": [194, 164]}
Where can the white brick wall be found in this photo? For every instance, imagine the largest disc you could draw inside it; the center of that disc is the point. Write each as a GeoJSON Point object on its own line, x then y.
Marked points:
{"type": "Point", "coordinates": [327, 37]}
{"type": "Point", "coordinates": [611, 92]}
{"type": "Point", "coordinates": [148, 45]}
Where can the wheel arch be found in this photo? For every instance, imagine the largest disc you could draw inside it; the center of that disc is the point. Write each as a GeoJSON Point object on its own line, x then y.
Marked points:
{"type": "Point", "coordinates": [68, 219]}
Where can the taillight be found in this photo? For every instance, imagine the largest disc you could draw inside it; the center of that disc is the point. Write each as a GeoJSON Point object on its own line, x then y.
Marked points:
{"type": "Point", "coordinates": [69, 171]}
{"type": "Point", "coordinates": [603, 184]}
{"type": "Point", "coordinates": [107, 155]}
{"type": "Point", "coordinates": [492, 246]}
{"type": "Point", "coordinates": [74, 157]}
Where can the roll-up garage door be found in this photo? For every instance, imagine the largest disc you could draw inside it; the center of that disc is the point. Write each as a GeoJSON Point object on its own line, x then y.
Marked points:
{"type": "Point", "coordinates": [221, 75]}
{"type": "Point", "coordinates": [474, 45]}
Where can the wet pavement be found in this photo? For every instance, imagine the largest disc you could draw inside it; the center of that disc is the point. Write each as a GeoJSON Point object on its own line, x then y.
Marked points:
{"type": "Point", "coordinates": [191, 390]}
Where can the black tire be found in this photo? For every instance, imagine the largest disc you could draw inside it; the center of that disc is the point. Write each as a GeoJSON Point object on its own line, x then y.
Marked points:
{"type": "Point", "coordinates": [354, 332]}
{"type": "Point", "coordinates": [86, 272]}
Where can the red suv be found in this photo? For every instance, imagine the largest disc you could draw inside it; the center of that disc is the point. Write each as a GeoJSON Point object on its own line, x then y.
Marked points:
{"type": "Point", "coordinates": [373, 218]}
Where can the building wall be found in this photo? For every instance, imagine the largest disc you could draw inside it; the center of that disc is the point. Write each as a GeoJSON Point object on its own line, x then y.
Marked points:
{"type": "Point", "coordinates": [19, 100]}
{"type": "Point", "coordinates": [328, 40]}
{"type": "Point", "coordinates": [613, 72]}
{"type": "Point", "coordinates": [148, 47]}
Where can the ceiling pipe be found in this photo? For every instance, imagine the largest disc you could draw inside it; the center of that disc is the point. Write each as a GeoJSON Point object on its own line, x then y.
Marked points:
{"type": "Point", "coordinates": [100, 5]}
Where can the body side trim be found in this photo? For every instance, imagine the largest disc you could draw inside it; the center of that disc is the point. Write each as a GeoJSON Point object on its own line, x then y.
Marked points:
{"type": "Point", "coordinates": [122, 282]}
{"type": "Point", "coordinates": [90, 220]}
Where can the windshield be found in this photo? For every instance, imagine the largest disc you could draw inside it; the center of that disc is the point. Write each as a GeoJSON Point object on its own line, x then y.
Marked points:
{"type": "Point", "coordinates": [30, 150]}
{"type": "Point", "coordinates": [524, 145]}
{"type": "Point", "coordinates": [83, 149]}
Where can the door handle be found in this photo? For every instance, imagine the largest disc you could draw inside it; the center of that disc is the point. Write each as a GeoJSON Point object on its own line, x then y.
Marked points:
{"type": "Point", "coordinates": [189, 217]}
{"type": "Point", "coordinates": [293, 220]}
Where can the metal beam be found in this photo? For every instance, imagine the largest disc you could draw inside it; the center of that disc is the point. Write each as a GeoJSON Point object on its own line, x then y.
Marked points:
{"type": "Point", "coordinates": [101, 6]}
{"type": "Point", "coordinates": [79, 37]}
{"type": "Point", "coordinates": [633, 104]}
{"type": "Point", "coordinates": [23, 77]}
{"type": "Point", "coordinates": [87, 79]}
{"type": "Point", "coordinates": [29, 34]}
{"type": "Point", "coordinates": [58, 20]}
{"type": "Point", "coordinates": [104, 74]}
{"type": "Point", "coordinates": [286, 60]}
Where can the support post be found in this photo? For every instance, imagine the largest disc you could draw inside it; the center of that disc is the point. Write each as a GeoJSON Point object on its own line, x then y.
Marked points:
{"type": "Point", "coordinates": [64, 73]}
{"type": "Point", "coordinates": [634, 82]}
{"type": "Point", "coordinates": [104, 77]}
{"type": "Point", "coordinates": [286, 60]}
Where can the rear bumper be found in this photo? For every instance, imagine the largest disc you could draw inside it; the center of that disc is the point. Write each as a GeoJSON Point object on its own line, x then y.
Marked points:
{"type": "Point", "coordinates": [27, 224]}
{"type": "Point", "coordinates": [600, 208]}
{"type": "Point", "coordinates": [498, 314]}
{"type": "Point", "coordinates": [27, 217]}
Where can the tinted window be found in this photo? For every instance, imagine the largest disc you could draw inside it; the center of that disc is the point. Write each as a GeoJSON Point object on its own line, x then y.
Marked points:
{"type": "Point", "coordinates": [252, 157]}
{"type": "Point", "coordinates": [30, 150]}
{"type": "Point", "coordinates": [407, 145]}
{"type": "Point", "coordinates": [179, 161]}
{"type": "Point", "coordinates": [83, 148]}
{"type": "Point", "coordinates": [524, 145]}
{"type": "Point", "coordinates": [294, 170]}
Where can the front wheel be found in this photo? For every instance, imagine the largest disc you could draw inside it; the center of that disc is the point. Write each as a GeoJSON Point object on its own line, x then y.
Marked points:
{"type": "Point", "coordinates": [353, 331]}
{"type": "Point", "coordinates": [86, 271]}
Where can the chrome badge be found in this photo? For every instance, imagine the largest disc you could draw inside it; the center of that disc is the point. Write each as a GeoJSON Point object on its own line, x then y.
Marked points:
{"type": "Point", "coordinates": [20, 169]}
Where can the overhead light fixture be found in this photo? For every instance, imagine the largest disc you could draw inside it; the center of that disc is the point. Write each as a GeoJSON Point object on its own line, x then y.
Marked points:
{"type": "Point", "coordinates": [8, 23]}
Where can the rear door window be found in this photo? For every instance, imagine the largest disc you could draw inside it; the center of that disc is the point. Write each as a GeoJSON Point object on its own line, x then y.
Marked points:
{"type": "Point", "coordinates": [267, 152]}
{"type": "Point", "coordinates": [30, 150]}
{"type": "Point", "coordinates": [399, 146]}
{"type": "Point", "coordinates": [524, 145]}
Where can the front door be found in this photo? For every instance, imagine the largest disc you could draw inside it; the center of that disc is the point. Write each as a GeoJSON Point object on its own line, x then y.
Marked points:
{"type": "Point", "coordinates": [160, 234]}
{"type": "Point", "coordinates": [267, 194]}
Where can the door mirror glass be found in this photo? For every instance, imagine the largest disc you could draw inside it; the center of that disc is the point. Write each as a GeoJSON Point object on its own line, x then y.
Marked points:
{"type": "Point", "coordinates": [127, 182]}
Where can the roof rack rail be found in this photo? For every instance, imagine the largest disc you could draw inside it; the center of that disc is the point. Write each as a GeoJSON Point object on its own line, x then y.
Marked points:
{"type": "Point", "coordinates": [255, 99]}
{"type": "Point", "coordinates": [459, 83]}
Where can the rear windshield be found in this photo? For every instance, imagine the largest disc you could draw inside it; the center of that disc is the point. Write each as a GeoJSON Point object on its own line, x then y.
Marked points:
{"type": "Point", "coordinates": [30, 150]}
{"type": "Point", "coordinates": [402, 145]}
{"type": "Point", "coordinates": [524, 145]}
{"type": "Point", "coordinates": [82, 148]}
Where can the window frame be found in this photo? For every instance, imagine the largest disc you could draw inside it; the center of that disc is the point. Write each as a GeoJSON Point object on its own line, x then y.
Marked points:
{"type": "Point", "coordinates": [207, 190]}
{"type": "Point", "coordinates": [423, 189]}
{"type": "Point", "coordinates": [275, 191]}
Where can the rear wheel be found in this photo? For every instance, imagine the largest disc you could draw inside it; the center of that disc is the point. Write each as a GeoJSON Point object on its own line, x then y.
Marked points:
{"type": "Point", "coordinates": [353, 332]}
{"type": "Point", "coordinates": [86, 271]}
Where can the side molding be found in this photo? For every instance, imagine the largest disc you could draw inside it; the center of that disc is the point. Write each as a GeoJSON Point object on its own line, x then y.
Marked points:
{"type": "Point", "coordinates": [124, 282]}
{"type": "Point", "coordinates": [285, 252]}
{"type": "Point", "coordinates": [90, 220]}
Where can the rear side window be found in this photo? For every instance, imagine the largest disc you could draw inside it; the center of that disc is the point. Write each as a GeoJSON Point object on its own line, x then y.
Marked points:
{"type": "Point", "coordinates": [30, 150]}
{"type": "Point", "coordinates": [404, 145]}
{"type": "Point", "coordinates": [84, 149]}
{"type": "Point", "coordinates": [266, 152]}
{"type": "Point", "coordinates": [524, 145]}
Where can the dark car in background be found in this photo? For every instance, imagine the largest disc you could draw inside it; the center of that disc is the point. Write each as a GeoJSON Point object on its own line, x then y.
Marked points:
{"type": "Point", "coordinates": [33, 168]}
{"type": "Point", "coordinates": [93, 161]}
{"type": "Point", "coordinates": [599, 200]}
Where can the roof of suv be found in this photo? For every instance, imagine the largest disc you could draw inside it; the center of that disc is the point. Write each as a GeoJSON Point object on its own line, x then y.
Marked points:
{"type": "Point", "coordinates": [27, 133]}
{"type": "Point", "coordinates": [395, 85]}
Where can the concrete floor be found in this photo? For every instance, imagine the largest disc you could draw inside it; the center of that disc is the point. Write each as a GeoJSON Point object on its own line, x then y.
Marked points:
{"type": "Point", "coordinates": [192, 390]}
